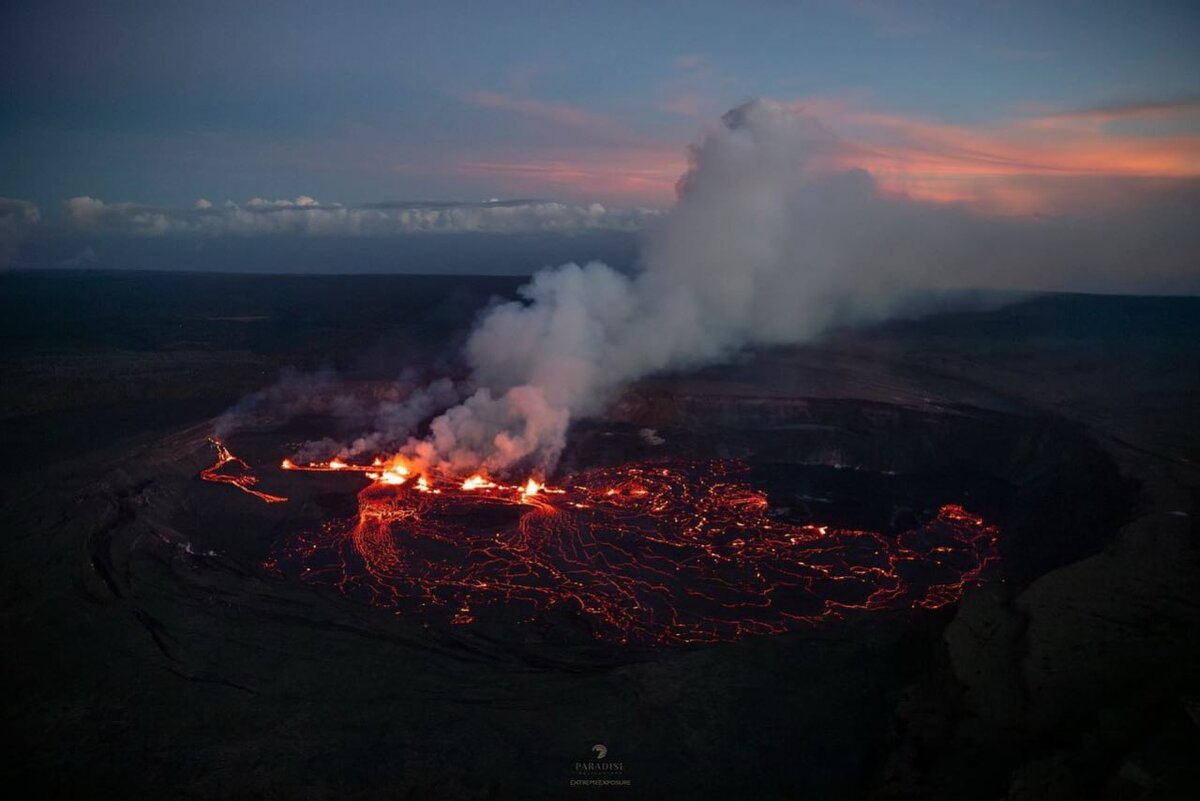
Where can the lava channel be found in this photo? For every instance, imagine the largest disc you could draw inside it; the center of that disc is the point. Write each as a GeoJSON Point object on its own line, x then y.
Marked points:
{"type": "Point", "coordinates": [243, 478]}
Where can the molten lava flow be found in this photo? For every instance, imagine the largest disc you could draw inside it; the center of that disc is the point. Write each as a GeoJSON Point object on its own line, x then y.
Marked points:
{"type": "Point", "coordinates": [477, 482]}
{"type": "Point", "coordinates": [245, 480]}
{"type": "Point", "coordinates": [683, 552]}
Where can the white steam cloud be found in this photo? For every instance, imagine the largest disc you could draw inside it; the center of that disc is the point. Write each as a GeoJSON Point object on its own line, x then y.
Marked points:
{"type": "Point", "coordinates": [765, 246]}
{"type": "Point", "coordinates": [390, 412]}
{"type": "Point", "coordinates": [770, 243]}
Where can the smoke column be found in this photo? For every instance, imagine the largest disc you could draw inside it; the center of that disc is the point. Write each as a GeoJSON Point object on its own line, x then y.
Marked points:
{"type": "Point", "coordinates": [773, 241]}
{"type": "Point", "coordinates": [768, 244]}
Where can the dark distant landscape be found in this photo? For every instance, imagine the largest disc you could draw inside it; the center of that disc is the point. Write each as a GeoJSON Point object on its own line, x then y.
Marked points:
{"type": "Point", "coordinates": [469, 253]}
{"type": "Point", "coordinates": [160, 653]}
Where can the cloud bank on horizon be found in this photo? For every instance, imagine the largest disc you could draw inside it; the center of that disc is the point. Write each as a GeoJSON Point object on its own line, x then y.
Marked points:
{"type": "Point", "coordinates": [305, 216]}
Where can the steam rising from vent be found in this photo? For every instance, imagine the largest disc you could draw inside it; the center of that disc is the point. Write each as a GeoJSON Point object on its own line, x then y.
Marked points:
{"type": "Point", "coordinates": [767, 245]}
{"type": "Point", "coordinates": [772, 241]}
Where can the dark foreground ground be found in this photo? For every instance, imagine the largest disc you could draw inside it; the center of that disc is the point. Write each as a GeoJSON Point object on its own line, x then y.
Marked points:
{"type": "Point", "coordinates": [148, 655]}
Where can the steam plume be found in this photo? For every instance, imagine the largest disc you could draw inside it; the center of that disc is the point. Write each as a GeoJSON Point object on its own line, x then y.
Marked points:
{"type": "Point", "coordinates": [766, 245]}
{"type": "Point", "coordinates": [771, 242]}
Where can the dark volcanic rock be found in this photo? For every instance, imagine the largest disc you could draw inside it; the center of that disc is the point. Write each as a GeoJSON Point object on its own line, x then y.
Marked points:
{"type": "Point", "coordinates": [150, 655]}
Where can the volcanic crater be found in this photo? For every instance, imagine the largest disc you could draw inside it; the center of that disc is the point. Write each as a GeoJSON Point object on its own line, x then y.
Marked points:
{"type": "Point", "coordinates": [682, 518]}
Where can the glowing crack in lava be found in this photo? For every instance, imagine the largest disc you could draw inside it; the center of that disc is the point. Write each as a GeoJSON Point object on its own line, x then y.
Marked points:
{"type": "Point", "coordinates": [243, 479]}
{"type": "Point", "coordinates": [672, 552]}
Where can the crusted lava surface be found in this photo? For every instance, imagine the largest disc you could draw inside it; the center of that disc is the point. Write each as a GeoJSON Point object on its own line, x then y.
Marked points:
{"type": "Point", "coordinates": [649, 552]}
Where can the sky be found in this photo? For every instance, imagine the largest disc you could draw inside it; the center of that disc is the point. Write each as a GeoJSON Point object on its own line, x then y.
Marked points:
{"type": "Point", "coordinates": [149, 107]}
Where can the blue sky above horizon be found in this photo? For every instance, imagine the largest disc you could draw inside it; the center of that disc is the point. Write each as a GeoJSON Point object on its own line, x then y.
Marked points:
{"type": "Point", "coordinates": [164, 103]}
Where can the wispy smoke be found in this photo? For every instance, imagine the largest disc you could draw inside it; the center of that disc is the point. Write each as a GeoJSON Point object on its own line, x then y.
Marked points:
{"type": "Point", "coordinates": [389, 422]}
{"type": "Point", "coordinates": [389, 414]}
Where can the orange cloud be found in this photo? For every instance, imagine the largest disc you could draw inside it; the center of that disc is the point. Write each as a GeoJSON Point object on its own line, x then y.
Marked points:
{"type": "Point", "coordinates": [623, 175]}
{"type": "Point", "coordinates": [1122, 111]}
{"type": "Point", "coordinates": [992, 166]}
{"type": "Point", "coordinates": [1041, 161]}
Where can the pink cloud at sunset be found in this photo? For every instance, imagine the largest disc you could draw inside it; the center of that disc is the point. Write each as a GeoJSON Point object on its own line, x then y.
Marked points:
{"type": "Point", "coordinates": [631, 177]}
{"type": "Point", "coordinates": [560, 114]}
{"type": "Point", "coordinates": [1040, 161]}
{"type": "Point", "coordinates": [1019, 166]}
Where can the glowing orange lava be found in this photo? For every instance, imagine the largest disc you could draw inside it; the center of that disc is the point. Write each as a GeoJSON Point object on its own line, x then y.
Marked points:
{"type": "Point", "coordinates": [243, 480]}
{"type": "Point", "coordinates": [477, 482]}
{"type": "Point", "coordinates": [678, 552]}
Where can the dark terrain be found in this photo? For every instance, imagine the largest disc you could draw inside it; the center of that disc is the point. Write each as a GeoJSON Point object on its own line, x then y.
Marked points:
{"type": "Point", "coordinates": [151, 655]}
